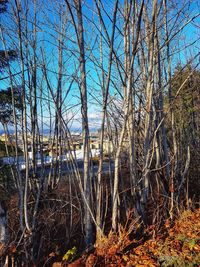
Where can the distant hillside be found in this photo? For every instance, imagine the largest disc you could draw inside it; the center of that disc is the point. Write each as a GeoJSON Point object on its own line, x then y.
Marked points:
{"type": "Point", "coordinates": [46, 131]}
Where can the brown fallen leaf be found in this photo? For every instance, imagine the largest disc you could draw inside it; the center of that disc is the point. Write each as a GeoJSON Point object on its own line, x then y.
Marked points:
{"type": "Point", "coordinates": [91, 260]}
{"type": "Point", "coordinates": [112, 250]}
{"type": "Point", "coordinates": [57, 264]}
{"type": "Point", "coordinates": [196, 248]}
{"type": "Point", "coordinates": [77, 263]}
{"type": "Point", "coordinates": [12, 249]}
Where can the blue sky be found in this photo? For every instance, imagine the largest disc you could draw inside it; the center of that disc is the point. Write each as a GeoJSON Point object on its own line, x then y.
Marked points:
{"type": "Point", "coordinates": [47, 16]}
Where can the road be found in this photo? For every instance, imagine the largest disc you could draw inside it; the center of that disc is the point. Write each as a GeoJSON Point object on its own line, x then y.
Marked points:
{"type": "Point", "coordinates": [66, 168]}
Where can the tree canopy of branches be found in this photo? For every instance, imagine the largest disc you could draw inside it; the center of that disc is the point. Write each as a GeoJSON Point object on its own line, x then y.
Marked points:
{"type": "Point", "coordinates": [125, 74]}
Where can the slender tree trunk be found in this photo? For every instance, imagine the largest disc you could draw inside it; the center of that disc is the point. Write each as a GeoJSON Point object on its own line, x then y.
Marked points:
{"type": "Point", "coordinates": [149, 95]}
{"type": "Point", "coordinates": [24, 114]}
{"type": "Point", "coordinates": [175, 149]}
{"type": "Point", "coordinates": [85, 127]}
{"type": "Point", "coordinates": [102, 135]}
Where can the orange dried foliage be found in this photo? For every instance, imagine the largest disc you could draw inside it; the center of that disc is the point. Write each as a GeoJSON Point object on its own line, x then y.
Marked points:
{"type": "Point", "coordinates": [77, 263]}
{"type": "Point", "coordinates": [57, 264]}
{"type": "Point", "coordinates": [91, 260]}
{"type": "Point", "coordinates": [182, 243]}
{"type": "Point", "coordinates": [107, 246]}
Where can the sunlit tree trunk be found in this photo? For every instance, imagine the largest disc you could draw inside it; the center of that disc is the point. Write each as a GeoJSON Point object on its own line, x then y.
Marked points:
{"type": "Point", "coordinates": [79, 29]}
{"type": "Point", "coordinates": [151, 29]}
{"type": "Point", "coordinates": [105, 91]}
{"type": "Point", "coordinates": [127, 101]}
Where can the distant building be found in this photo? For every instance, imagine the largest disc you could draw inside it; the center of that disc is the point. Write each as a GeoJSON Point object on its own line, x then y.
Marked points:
{"type": "Point", "coordinates": [4, 138]}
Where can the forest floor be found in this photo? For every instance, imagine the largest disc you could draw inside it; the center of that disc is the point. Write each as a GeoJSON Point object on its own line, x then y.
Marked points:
{"type": "Point", "coordinates": [177, 245]}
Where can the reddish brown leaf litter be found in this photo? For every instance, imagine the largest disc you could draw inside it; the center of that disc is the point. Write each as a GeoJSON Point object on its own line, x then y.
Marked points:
{"type": "Point", "coordinates": [179, 246]}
